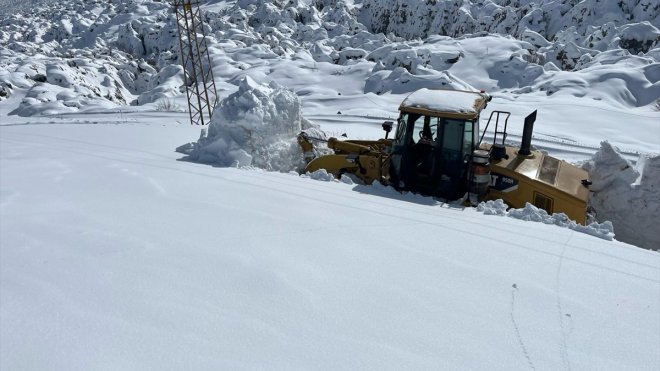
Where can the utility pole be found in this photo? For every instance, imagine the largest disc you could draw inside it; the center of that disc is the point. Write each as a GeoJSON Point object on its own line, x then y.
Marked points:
{"type": "Point", "coordinates": [196, 61]}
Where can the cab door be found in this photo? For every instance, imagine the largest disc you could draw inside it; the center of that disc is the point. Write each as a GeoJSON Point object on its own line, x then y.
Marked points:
{"type": "Point", "coordinates": [402, 156]}
{"type": "Point", "coordinates": [454, 144]}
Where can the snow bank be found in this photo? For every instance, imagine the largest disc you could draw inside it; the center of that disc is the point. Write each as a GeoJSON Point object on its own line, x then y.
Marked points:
{"type": "Point", "coordinates": [255, 126]}
{"type": "Point", "coordinates": [532, 213]}
{"type": "Point", "coordinates": [627, 195]}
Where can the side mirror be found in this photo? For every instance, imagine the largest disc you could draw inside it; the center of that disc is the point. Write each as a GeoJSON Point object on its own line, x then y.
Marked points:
{"type": "Point", "coordinates": [387, 126]}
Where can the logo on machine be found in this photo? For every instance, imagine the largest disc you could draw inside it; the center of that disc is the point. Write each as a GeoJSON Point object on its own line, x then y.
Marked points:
{"type": "Point", "coordinates": [502, 183]}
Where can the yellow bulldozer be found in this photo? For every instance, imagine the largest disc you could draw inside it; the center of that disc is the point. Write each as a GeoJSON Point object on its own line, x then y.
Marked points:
{"type": "Point", "coordinates": [438, 150]}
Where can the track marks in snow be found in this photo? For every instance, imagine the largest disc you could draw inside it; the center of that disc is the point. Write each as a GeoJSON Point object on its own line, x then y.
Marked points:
{"type": "Point", "coordinates": [92, 146]}
{"type": "Point", "coordinates": [7, 198]}
{"type": "Point", "coordinates": [521, 343]}
{"type": "Point", "coordinates": [153, 183]}
{"type": "Point", "coordinates": [457, 222]}
{"type": "Point", "coordinates": [563, 344]}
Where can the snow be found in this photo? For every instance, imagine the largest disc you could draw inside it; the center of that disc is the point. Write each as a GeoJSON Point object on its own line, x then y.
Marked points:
{"type": "Point", "coordinates": [116, 252]}
{"type": "Point", "coordinates": [115, 255]}
{"type": "Point", "coordinates": [255, 126]}
{"type": "Point", "coordinates": [531, 213]}
{"type": "Point", "coordinates": [449, 101]}
{"type": "Point", "coordinates": [627, 195]}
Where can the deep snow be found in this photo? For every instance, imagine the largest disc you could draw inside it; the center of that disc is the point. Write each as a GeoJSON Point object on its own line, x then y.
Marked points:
{"type": "Point", "coordinates": [116, 255]}
{"type": "Point", "coordinates": [116, 252]}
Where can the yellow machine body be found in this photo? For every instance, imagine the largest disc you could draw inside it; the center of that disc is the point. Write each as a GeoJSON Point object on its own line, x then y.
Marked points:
{"type": "Point", "coordinates": [365, 159]}
{"type": "Point", "coordinates": [544, 181]}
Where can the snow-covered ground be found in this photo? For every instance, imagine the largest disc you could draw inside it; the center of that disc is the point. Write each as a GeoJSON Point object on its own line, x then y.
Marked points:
{"type": "Point", "coordinates": [117, 256]}
{"type": "Point", "coordinates": [116, 252]}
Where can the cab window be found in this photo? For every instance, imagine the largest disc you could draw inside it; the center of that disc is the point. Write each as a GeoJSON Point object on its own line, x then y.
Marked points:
{"type": "Point", "coordinates": [418, 128]}
{"type": "Point", "coordinates": [468, 138]}
{"type": "Point", "coordinates": [453, 135]}
{"type": "Point", "coordinates": [401, 126]}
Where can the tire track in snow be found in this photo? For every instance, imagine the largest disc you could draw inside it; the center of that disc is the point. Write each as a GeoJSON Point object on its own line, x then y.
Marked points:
{"type": "Point", "coordinates": [96, 147]}
{"type": "Point", "coordinates": [563, 344]}
{"type": "Point", "coordinates": [130, 153]}
{"type": "Point", "coordinates": [465, 224]}
{"type": "Point", "coordinates": [521, 343]}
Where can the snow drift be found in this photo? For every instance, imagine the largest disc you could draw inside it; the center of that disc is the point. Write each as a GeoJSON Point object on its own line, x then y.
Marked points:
{"type": "Point", "coordinates": [531, 213]}
{"type": "Point", "coordinates": [255, 126]}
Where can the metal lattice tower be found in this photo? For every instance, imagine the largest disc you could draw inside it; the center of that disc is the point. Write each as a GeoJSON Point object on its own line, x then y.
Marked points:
{"type": "Point", "coordinates": [196, 61]}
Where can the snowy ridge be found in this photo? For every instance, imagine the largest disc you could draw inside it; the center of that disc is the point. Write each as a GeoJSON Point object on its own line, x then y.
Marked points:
{"type": "Point", "coordinates": [53, 48]}
{"type": "Point", "coordinates": [529, 213]}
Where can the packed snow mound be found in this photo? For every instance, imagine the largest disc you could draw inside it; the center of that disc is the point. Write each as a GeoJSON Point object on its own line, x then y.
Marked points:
{"type": "Point", "coordinates": [627, 195]}
{"type": "Point", "coordinates": [532, 213]}
{"type": "Point", "coordinates": [255, 126]}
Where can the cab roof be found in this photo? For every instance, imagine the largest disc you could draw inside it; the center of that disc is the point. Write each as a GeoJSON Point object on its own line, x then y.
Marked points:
{"type": "Point", "coordinates": [457, 104]}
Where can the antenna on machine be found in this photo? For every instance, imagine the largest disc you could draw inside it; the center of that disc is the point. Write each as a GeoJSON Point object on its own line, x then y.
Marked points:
{"type": "Point", "coordinates": [196, 61]}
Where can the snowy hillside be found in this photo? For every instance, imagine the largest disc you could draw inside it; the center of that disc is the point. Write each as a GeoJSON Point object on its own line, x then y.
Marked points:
{"type": "Point", "coordinates": [116, 252]}
{"type": "Point", "coordinates": [124, 52]}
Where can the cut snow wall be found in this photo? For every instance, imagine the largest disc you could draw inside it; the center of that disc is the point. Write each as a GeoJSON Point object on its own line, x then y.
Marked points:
{"type": "Point", "coordinates": [627, 195]}
{"type": "Point", "coordinates": [256, 126]}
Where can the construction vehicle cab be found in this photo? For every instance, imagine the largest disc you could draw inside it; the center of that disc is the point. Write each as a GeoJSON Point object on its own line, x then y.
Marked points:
{"type": "Point", "coordinates": [437, 132]}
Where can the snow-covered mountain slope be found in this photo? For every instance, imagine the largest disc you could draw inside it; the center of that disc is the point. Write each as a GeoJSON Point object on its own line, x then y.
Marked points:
{"type": "Point", "coordinates": [588, 24]}
{"type": "Point", "coordinates": [130, 43]}
{"type": "Point", "coordinates": [114, 255]}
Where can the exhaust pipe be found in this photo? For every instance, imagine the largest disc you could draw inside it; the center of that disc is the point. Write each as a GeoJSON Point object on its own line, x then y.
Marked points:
{"type": "Point", "coordinates": [526, 144]}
